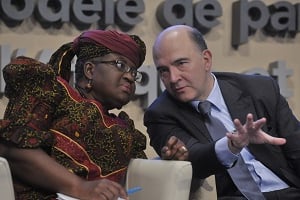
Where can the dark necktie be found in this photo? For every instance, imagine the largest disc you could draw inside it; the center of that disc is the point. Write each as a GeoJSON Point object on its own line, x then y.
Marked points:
{"type": "Point", "coordinates": [239, 173]}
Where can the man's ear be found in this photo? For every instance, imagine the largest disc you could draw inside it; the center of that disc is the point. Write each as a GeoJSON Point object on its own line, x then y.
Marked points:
{"type": "Point", "coordinates": [207, 57]}
{"type": "Point", "coordinates": [88, 69]}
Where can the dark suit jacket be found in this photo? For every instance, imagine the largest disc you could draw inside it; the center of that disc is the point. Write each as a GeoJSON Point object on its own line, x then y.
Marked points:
{"type": "Point", "coordinates": [243, 94]}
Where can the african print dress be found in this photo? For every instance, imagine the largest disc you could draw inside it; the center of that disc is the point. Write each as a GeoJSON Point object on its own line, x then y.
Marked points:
{"type": "Point", "coordinates": [45, 112]}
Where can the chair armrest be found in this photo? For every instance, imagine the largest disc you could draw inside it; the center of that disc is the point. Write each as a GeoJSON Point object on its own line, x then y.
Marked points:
{"type": "Point", "coordinates": [6, 185]}
{"type": "Point", "coordinates": [159, 179]}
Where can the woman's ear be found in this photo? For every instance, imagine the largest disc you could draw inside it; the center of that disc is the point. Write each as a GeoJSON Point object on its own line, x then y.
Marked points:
{"type": "Point", "coordinates": [88, 69]}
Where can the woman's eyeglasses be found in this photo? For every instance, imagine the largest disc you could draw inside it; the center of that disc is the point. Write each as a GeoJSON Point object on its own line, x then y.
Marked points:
{"type": "Point", "coordinates": [123, 67]}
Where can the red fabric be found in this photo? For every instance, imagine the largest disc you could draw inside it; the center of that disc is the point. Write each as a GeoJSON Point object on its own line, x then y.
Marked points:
{"type": "Point", "coordinates": [117, 42]}
{"type": "Point", "coordinates": [45, 112]}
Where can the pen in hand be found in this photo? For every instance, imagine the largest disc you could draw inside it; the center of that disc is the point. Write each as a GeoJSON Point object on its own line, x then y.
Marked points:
{"type": "Point", "coordinates": [133, 190]}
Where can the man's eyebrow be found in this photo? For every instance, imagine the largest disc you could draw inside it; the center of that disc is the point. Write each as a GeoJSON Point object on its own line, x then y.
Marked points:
{"type": "Point", "coordinates": [160, 67]}
{"type": "Point", "coordinates": [180, 60]}
{"type": "Point", "coordinates": [174, 62]}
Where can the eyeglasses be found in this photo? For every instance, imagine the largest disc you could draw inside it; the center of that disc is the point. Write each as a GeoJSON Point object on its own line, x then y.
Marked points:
{"type": "Point", "coordinates": [123, 67]}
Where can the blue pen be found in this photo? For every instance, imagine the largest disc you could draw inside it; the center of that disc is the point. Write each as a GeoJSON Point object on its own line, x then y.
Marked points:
{"type": "Point", "coordinates": [133, 190]}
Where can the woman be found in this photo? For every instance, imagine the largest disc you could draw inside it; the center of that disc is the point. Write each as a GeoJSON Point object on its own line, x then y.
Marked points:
{"type": "Point", "coordinates": [60, 139]}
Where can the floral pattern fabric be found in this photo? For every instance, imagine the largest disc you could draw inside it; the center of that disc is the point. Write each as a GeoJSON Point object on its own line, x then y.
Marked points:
{"type": "Point", "coordinates": [45, 112]}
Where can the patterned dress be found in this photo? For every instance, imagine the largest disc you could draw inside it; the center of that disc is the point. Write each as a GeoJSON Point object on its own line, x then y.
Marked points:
{"type": "Point", "coordinates": [45, 112]}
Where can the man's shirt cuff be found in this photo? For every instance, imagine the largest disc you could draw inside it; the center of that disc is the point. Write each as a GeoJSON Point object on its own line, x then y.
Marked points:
{"type": "Point", "coordinates": [225, 156]}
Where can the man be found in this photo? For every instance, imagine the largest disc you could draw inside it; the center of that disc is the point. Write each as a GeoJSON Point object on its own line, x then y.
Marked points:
{"type": "Point", "coordinates": [266, 133]}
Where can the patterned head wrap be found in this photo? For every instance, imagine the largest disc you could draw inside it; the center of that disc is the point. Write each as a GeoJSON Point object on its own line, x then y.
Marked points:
{"type": "Point", "coordinates": [114, 41]}
{"type": "Point", "coordinates": [97, 43]}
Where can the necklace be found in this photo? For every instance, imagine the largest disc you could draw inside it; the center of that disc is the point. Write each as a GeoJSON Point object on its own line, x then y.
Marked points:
{"type": "Point", "coordinates": [80, 90]}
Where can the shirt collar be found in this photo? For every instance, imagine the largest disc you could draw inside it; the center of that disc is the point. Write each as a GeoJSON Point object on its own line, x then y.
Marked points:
{"type": "Point", "coordinates": [215, 96]}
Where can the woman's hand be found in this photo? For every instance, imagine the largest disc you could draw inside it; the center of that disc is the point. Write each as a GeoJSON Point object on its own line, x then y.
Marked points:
{"type": "Point", "coordinates": [103, 189]}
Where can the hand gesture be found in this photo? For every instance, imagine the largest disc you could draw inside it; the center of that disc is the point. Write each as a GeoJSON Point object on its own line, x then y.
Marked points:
{"type": "Point", "coordinates": [174, 150]}
{"type": "Point", "coordinates": [250, 132]}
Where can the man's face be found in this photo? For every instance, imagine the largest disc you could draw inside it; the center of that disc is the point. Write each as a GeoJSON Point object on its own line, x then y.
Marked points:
{"type": "Point", "coordinates": [184, 69]}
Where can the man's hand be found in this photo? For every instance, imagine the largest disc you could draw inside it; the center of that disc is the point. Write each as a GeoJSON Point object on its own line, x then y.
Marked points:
{"type": "Point", "coordinates": [250, 132]}
{"type": "Point", "coordinates": [174, 150]}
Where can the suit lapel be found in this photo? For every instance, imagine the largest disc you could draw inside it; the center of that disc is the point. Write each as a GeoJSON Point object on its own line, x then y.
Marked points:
{"type": "Point", "coordinates": [196, 121]}
{"type": "Point", "coordinates": [238, 103]}
{"type": "Point", "coordinates": [239, 106]}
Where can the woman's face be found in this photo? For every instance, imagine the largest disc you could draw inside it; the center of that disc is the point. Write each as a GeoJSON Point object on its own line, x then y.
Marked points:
{"type": "Point", "coordinates": [112, 87]}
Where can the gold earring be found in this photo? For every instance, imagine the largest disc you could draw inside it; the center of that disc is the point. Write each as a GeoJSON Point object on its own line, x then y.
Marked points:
{"type": "Point", "coordinates": [89, 85]}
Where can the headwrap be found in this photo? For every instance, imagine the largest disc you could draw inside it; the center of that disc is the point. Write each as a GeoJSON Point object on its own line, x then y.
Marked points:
{"type": "Point", "coordinates": [97, 43]}
{"type": "Point", "coordinates": [116, 42]}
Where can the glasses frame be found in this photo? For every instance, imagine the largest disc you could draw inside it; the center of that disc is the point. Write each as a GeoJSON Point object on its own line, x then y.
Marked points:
{"type": "Point", "coordinates": [122, 67]}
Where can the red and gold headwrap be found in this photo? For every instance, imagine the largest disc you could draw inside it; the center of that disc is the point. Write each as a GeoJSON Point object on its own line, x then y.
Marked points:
{"type": "Point", "coordinates": [97, 43]}
{"type": "Point", "coordinates": [120, 43]}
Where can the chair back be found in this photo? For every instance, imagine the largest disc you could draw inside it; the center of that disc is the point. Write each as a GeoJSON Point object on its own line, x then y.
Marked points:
{"type": "Point", "coordinates": [6, 185]}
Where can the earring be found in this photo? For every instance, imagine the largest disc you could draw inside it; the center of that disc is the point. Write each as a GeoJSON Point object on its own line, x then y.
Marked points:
{"type": "Point", "coordinates": [89, 85]}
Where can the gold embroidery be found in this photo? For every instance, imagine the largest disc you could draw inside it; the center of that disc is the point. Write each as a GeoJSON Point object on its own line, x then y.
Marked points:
{"type": "Point", "coordinates": [77, 134]}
